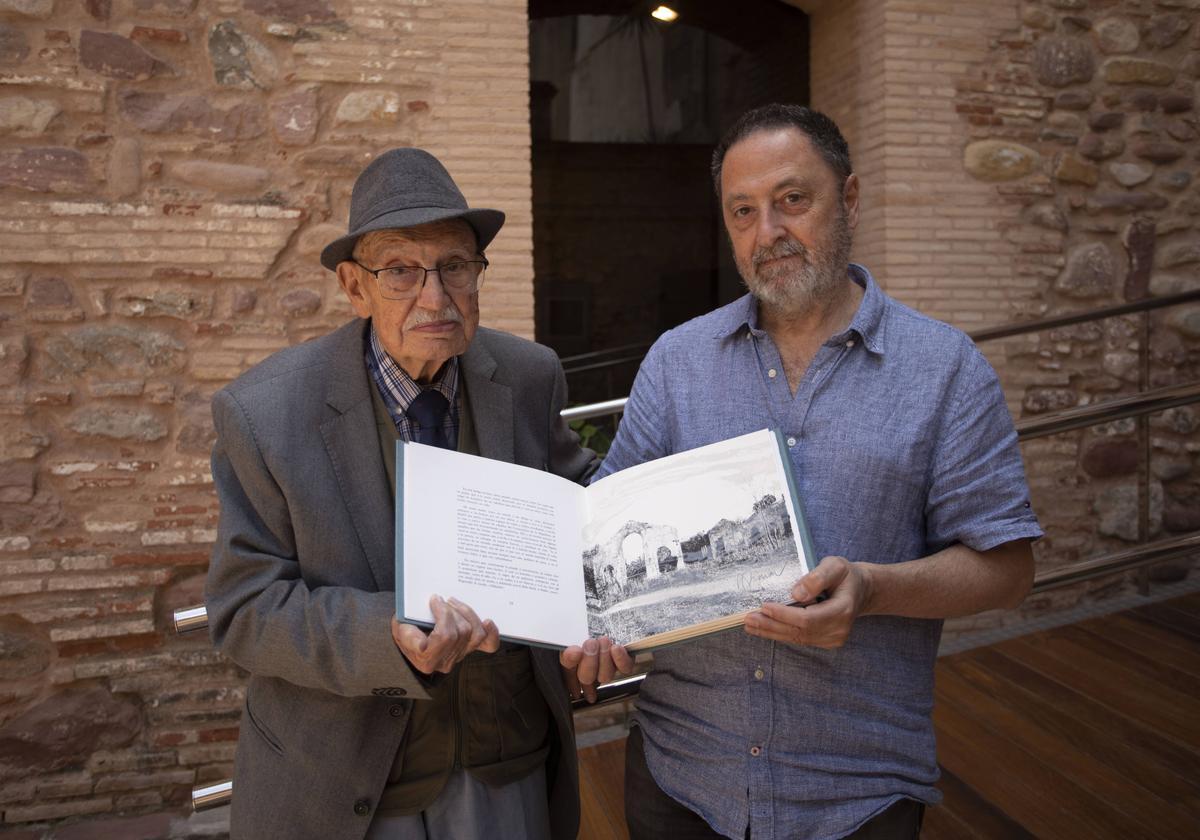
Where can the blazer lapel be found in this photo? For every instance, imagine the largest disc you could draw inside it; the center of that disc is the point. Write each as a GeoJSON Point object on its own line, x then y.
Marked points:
{"type": "Point", "coordinates": [490, 402]}
{"type": "Point", "coordinates": [353, 446]}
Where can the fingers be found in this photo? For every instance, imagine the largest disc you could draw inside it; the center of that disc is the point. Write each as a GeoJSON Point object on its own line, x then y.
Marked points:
{"type": "Point", "coordinates": [826, 577]}
{"type": "Point", "coordinates": [607, 670]}
{"type": "Point", "coordinates": [823, 625]}
{"type": "Point", "coordinates": [456, 632]}
{"type": "Point", "coordinates": [621, 659]}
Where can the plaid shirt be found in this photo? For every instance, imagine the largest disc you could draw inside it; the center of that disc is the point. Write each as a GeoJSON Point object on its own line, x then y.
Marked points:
{"type": "Point", "coordinates": [398, 389]}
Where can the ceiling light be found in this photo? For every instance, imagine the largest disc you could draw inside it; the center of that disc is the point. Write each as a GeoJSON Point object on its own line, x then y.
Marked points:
{"type": "Point", "coordinates": [665, 13]}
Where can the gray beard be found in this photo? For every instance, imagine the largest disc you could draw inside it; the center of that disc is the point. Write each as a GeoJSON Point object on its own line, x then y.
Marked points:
{"type": "Point", "coordinates": [811, 280]}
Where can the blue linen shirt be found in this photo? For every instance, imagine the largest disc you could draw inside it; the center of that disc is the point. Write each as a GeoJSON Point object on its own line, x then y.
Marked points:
{"type": "Point", "coordinates": [902, 445]}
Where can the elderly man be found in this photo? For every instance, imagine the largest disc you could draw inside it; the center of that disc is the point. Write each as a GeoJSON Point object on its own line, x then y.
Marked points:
{"type": "Point", "coordinates": [815, 721]}
{"type": "Point", "coordinates": [357, 725]}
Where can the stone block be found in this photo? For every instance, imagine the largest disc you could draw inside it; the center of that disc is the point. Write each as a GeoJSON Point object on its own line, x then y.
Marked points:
{"type": "Point", "coordinates": [1041, 400]}
{"type": "Point", "coordinates": [101, 10]}
{"type": "Point", "coordinates": [1072, 170]}
{"type": "Point", "coordinates": [1047, 216]}
{"type": "Point", "coordinates": [220, 176]}
{"type": "Point", "coordinates": [999, 160]}
{"type": "Point", "coordinates": [14, 357]}
{"type": "Point", "coordinates": [1111, 458]}
{"type": "Point", "coordinates": [1106, 120]}
{"type": "Point", "coordinates": [118, 57]}
{"type": "Point", "coordinates": [240, 60]}
{"type": "Point", "coordinates": [39, 9]}
{"type": "Point", "coordinates": [1116, 35]}
{"type": "Point", "coordinates": [1157, 151]}
{"type": "Point", "coordinates": [1062, 61]}
{"type": "Point", "coordinates": [293, 11]}
{"type": "Point", "coordinates": [25, 649]}
{"type": "Point", "coordinates": [1163, 30]}
{"type": "Point", "coordinates": [50, 291]}
{"type": "Point", "coordinates": [26, 117]}
{"type": "Point", "coordinates": [1140, 241]}
{"type": "Point", "coordinates": [1183, 253]}
{"type": "Point", "coordinates": [1117, 511]}
{"type": "Point", "coordinates": [45, 169]}
{"type": "Point", "coordinates": [1103, 202]}
{"type": "Point", "coordinates": [14, 47]}
{"type": "Point", "coordinates": [154, 33]}
{"type": "Point", "coordinates": [294, 118]}
{"type": "Point", "coordinates": [117, 424]}
{"type": "Point", "coordinates": [1137, 71]}
{"type": "Point", "coordinates": [1130, 174]}
{"type": "Point", "coordinates": [1091, 272]}
{"type": "Point", "coordinates": [66, 727]}
{"type": "Point", "coordinates": [124, 172]}
{"type": "Point", "coordinates": [1101, 147]}
{"type": "Point", "coordinates": [299, 303]}
{"type": "Point", "coordinates": [158, 302]}
{"type": "Point", "coordinates": [124, 350]}
{"type": "Point", "coordinates": [360, 106]}
{"type": "Point", "coordinates": [158, 113]}
{"type": "Point", "coordinates": [175, 8]}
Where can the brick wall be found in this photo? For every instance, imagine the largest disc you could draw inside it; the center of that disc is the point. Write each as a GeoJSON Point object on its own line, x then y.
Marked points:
{"type": "Point", "coordinates": [169, 171]}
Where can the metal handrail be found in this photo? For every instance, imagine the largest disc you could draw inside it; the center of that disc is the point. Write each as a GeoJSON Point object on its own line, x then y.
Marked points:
{"type": "Point", "coordinates": [1143, 305]}
{"type": "Point", "coordinates": [1118, 408]}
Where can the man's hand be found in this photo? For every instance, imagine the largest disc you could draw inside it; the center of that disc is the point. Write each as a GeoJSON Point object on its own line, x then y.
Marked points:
{"type": "Point", "coordinates": [595, 661]}
{"type": "Point", "coordinates": [826, 624]}
{"type": "Point", "coordinates": [456, 632]}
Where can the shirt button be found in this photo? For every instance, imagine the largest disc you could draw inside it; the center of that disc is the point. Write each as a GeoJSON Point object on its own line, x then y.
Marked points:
{"type": "Point", "coordinates": [791, 441]}
{"type": "Point", "coordinates": [759, 673]}
{"type": "Point", "coordinates": [395, 711]}
{"type": "Point", "coordinates": [756, 751]}
{"type": "Point", "coordinates": [850, 343]}
{"type": "Point", "coordinates": [772, 373]}
{"type": "Point", "coordinates": [362, 807]}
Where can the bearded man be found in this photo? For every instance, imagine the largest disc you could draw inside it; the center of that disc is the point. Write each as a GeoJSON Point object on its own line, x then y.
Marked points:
{"type": "Point", "coordinates": [814, 722]}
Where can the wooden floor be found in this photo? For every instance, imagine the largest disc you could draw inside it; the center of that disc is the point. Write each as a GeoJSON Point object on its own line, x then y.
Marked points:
{"type": "Point", "coordinates": [1086, 731]}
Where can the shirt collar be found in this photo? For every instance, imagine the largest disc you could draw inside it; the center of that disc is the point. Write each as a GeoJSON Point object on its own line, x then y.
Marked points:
{"type": "Point", "coordinates": [403, 388]}
{"type": "Point", "coordinates": [867, 321]}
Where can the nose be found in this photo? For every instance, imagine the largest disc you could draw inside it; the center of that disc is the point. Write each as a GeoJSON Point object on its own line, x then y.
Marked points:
{"type": "Point", "coordinates": [769, 228]}
{"type": "Point", "coordinates": [433, 293]}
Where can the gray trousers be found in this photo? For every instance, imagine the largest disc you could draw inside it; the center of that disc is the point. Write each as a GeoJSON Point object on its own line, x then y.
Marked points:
{"type": "Point", "coordinates": [468, 809]}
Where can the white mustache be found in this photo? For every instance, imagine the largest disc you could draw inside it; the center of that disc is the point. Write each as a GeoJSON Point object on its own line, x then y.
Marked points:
{"type": "Point", "coordinates": [783, 248]}
{"type": "Point", "coordinates": [418, 317]}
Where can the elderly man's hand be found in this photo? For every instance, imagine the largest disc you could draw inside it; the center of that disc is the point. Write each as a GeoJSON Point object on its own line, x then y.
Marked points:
{"type": "Point", "coordinates": [824, 624]}
{"type": "Point", "coordinates": [596, 661]}
{"type": "Point", "coordinates": [456, 632]}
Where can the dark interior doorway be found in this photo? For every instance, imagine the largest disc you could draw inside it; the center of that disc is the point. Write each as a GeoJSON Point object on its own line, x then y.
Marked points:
{"type": "Point", "coordinates": [625, 111]}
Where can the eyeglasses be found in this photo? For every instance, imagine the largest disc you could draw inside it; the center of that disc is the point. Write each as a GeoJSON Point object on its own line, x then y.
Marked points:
{"type": "Point", "coordinates": [397, 282]}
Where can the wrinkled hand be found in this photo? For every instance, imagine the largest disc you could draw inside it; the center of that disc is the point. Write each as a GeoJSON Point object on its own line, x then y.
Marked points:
{"type": "Point", "coordinates": [456, 632]}
{"type": "Point", "coordinates": [826, 624]}
{"type": "Point", "coordinates": [595, 661]}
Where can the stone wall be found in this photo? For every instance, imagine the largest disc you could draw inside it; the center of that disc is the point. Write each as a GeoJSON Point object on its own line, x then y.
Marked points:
{"type": "Point", "coordinates": [169, 171]}
{"type": "Point", "coordinates": [1083, 123]}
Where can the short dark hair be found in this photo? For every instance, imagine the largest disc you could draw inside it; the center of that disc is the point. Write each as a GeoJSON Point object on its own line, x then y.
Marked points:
{"type": "Point", "coordinates": [823, 132]}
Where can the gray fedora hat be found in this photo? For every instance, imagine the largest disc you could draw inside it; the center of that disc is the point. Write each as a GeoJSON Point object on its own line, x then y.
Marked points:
{"type": "Point", "coordinates": [403, 188]}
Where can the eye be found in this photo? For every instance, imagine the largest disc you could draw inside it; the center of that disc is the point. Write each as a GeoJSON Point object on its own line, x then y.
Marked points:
{"type": "Point", "coordinates": [455, 269]}
{"type": "Point", "coordinates": [739, 212]}
{"type": "Point", "coordinates": [793, 198]}
{"type": "Point", "coordinates": [403, 273]}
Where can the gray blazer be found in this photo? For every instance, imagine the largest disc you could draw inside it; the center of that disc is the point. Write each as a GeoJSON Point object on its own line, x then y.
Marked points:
{"type": "Point", "coordinates": [300, 587]}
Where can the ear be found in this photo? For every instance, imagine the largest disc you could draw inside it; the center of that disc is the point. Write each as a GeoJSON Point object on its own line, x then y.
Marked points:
{"type": "Point", "coordinates": [352, 279]}
{"type": "Point", "coordinates": [850, 199]}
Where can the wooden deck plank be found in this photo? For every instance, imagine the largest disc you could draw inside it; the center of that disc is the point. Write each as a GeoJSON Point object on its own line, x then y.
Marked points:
{"type": "Point", "coordinates": [1166, 614]}
{"type": "Point", "coordinates": [1084, 724]}
{"type": "Point", "coordinates": [1145, 638]}
{"type": "Point", "coordinates": [602, 792]}
{"type": "Point", "coordinates": [964, 813]}
{"type": "Point", "coordinates": [1049, 745]}
{"type": "Point", "coordinates": [1117, 686]}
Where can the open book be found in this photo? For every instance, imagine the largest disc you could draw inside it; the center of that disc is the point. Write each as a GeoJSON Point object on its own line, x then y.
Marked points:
{"type": "Point", "coordinates": [652, 555]}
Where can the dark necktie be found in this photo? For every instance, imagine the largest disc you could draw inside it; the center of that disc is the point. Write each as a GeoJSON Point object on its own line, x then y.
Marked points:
{"type": "Point", "coordinates": [428, 411]}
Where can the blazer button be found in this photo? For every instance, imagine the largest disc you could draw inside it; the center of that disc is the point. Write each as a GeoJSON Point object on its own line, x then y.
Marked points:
{"type": "Point", "coordinates": [396, 711]}
{"type": "Point", "coordinates": [362, 807]}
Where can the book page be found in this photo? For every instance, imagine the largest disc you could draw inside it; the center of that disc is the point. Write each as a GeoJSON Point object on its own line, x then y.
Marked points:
{"type": "Point", "coordinates": [691, 538]}
{"type": "Point", "coordinates": [499, 537]}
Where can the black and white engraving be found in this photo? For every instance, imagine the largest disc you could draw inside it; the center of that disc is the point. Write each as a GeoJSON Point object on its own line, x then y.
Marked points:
{"type": "Point", "coordinates": [716, 539]}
